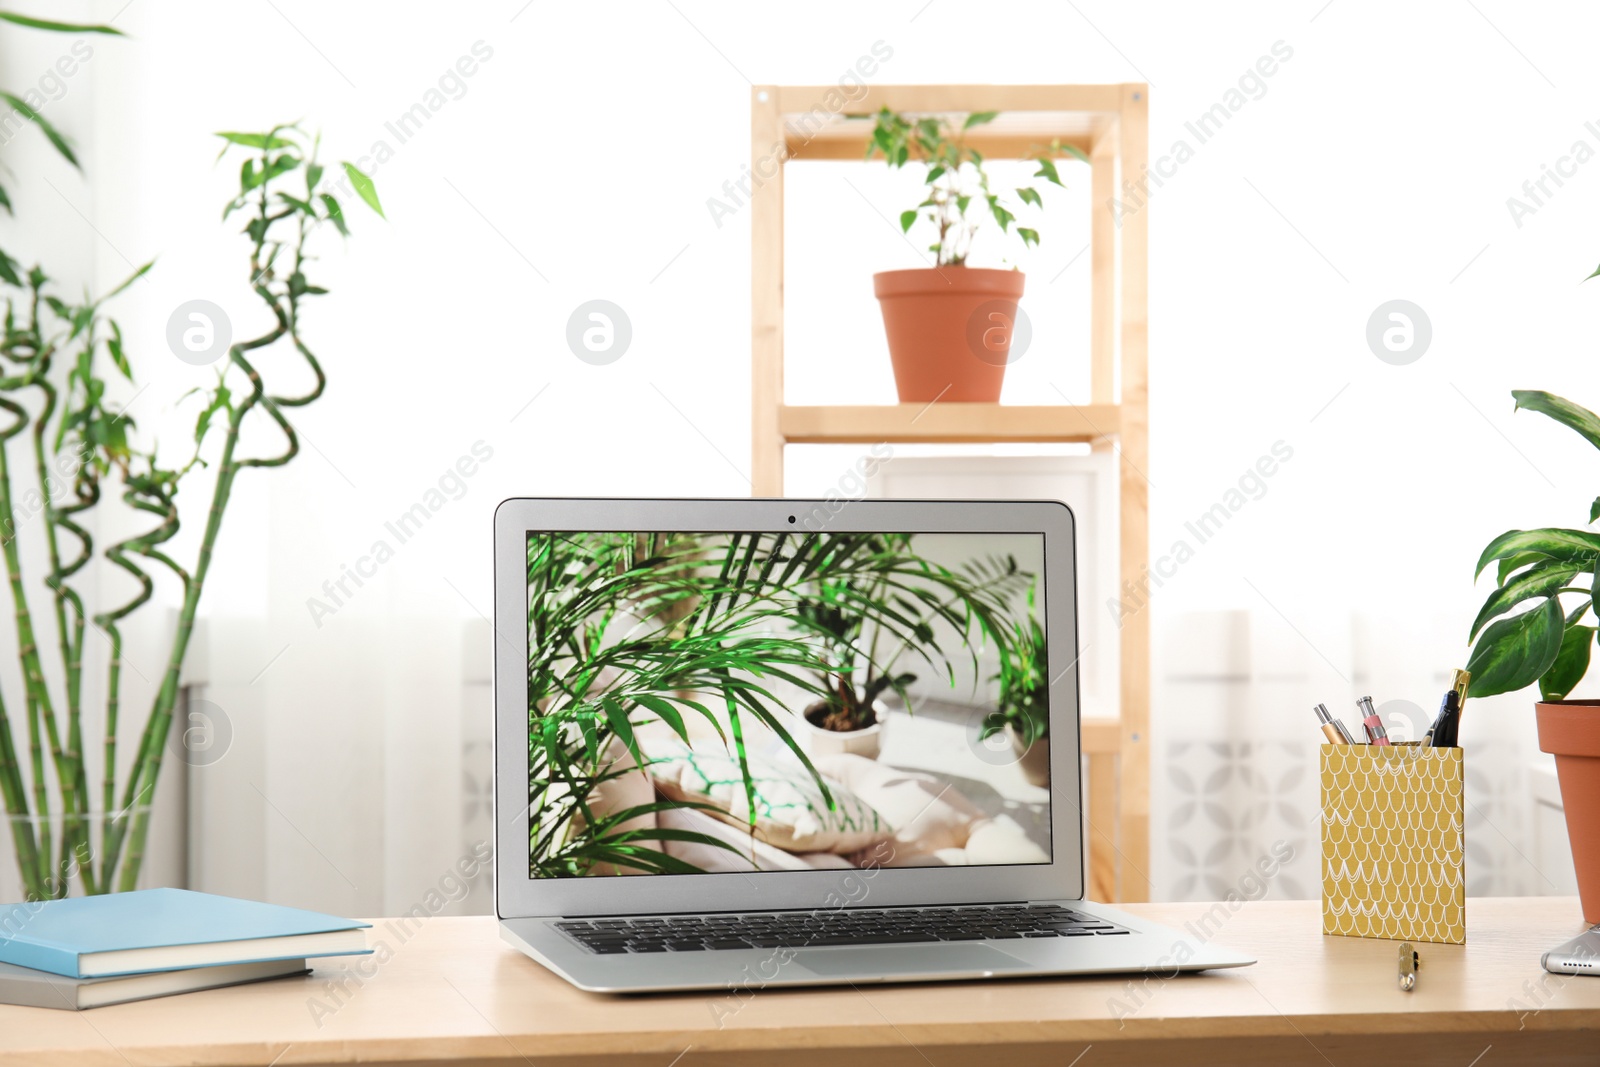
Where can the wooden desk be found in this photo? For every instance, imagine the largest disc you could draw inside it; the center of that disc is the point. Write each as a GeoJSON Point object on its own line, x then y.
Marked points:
{"type": "Point", "coordinates": [455, 993]}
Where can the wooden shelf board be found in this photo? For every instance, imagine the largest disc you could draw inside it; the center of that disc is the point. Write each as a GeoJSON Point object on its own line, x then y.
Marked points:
{"type": "Point", "coordinates": [1100, 736]}
{"type": "Point", "coordinates": [811, 135]}
{"type": "Point", "coordinates": [1019, 100]}
{"type": "Point", "coordinates": [946, 423]}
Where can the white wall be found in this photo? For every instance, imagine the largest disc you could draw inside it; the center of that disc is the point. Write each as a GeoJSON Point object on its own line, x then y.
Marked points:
{"type": "Point", "coordinates": [578, 164]}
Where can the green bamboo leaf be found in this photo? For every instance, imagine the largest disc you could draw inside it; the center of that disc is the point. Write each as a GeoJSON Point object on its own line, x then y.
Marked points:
{"type": "Point", "coordinates": [906, 220]}
{"type": "Point", "coordinates": [1047, 171]}
{"type": "Point", "coordinates": [979, 118]}
{"type": "Point", "coordinates": [50, 132]}
{"type": "Point", "coordinates": [1570, 665]}
{"type": "Point", "coordinates": [114, 346]}
{"type": "Point", "coordinates": [129, 280]}
{"type": "Point", "coordinates": [1557, 544]}
{"type": "Point", "coordinates": [8, 270]}
{"type": "Point", "coordinates": [335, 213]}
{"type": "Point", "coordinates": [1543, 580]}
{"type": "Point", "coordinates": [1030, 196]}
{"type": "Point", "coordinates": [58, 27]}
{"type": "Point", "coordinates": [5, 200]}
{"type": "Point", "coordinates": [1029, 237]}
{"type": "Point", "coordinates": [1513, 653]}
{"type": "Point", "coordinates": [364, 188]}
{"type": "Point", "coordinates": [262, 141]}
{"type": "Point", "coordinates": [1573, 416]}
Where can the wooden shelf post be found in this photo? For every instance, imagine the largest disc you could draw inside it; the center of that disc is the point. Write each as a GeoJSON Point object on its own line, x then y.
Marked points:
{"type": "Point", "coordinates": [1110, 124]}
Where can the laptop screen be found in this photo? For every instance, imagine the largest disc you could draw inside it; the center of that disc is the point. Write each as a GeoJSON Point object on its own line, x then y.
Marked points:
{"type": "Point", "coordinates": [756, 702]}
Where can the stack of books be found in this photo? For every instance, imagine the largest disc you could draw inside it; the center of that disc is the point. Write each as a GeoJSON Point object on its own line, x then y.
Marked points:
{"type": "Point", "coordinates": [87, 952]}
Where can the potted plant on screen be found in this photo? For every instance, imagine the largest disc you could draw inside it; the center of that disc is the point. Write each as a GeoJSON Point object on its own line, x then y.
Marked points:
{"type": "Point", "coordinates": [1022, 708]}
{"type": "Point", "coordinates": [883, 604]}
{"type": "Point", "coordinates": [950, 325]}
{"type": "Point", "coordinates": [1550, 643]}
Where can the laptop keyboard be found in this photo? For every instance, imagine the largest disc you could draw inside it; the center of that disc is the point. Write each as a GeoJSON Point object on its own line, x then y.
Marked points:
{"type": "Point", "coordinates": [809, 929]}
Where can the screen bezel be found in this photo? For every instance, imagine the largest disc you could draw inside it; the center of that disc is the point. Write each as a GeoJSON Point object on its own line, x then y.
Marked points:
{"type": "Point", "coordinates": [519, 896]}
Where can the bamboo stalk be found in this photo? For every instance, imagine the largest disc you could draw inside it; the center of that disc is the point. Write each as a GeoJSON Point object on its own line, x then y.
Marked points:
{"type": "Point", "coordinates": [147, 767]}
{"type": "Point", "coordinates": [27, 650]}
{"type": "Point", "coordinates": [69, 767]}
{"type": "Point", "coordinates": [16, 798]}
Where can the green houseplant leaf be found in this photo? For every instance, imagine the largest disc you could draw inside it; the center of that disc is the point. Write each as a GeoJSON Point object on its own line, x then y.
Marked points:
{"type": "Point", "coordinates": [1570, 665]}
{"type": "Point", "coordinates": [1573, 416]}
{"type": "Point", "coordinates": [1514, 653]}
{"type": "Point", "coordinates": [1543, 580]}
{"type": "Point", "coordinates": [1571, 545]}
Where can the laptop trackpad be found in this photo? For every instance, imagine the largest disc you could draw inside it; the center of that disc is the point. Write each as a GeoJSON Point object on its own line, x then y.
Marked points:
{"type": "Point", "coordinates": [943, 958]}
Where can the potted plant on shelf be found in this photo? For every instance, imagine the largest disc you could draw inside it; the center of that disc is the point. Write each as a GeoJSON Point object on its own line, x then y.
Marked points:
{"type": "Point", "coordinates": [880, 605]}
{"type": "Point", "coordinates": [1550, 644]}
{"type": "Point", "coordinates": [1022, 708]}
{"type": "Point", "coordinates": [950, 325]}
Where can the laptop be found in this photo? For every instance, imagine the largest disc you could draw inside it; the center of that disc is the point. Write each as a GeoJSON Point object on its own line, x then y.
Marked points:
{"type": "Point", "coordinates": [759, 743]}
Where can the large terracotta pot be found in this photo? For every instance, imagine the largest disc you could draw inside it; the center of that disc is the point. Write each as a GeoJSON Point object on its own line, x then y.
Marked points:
{"type": "Point", "coordinates": [1570, 729]}
{"type": "Point", "coordinates": [949, 331]}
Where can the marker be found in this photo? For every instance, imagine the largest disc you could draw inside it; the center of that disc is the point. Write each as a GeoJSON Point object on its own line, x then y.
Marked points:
{"type": "Point", "coordinates": [1369, 719]}
{"type": "Point", "coordinates": [1447, 725]}
{"type": "Point", "coordinates": [1332, 728]}
{"type": "Point", "coordinates": [1459, 680]}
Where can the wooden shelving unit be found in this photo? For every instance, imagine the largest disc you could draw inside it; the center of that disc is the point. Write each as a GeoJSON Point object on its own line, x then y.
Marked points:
{"type": "Point", "coordinates": [1110, 124]}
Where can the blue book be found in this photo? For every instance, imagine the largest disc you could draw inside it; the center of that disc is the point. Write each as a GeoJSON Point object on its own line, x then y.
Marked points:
{"type": "Point", "coordinates": [166, 930]}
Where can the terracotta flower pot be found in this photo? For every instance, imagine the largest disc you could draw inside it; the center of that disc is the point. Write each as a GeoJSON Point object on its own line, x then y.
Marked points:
{"type": "Point", "coordinates": [949, 331]}
{"type": "Point", "coordinates": [1570, 729]}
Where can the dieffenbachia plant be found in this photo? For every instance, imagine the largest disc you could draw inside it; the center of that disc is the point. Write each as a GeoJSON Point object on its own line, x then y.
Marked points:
{"type": "Point", "coordinates": [1548, 643]}
{"type": "Point", "coordinates": [82, 452]}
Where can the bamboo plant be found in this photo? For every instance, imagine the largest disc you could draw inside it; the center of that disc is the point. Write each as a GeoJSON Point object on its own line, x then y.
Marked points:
{"type": "Point", "coordinates": [78, 429]}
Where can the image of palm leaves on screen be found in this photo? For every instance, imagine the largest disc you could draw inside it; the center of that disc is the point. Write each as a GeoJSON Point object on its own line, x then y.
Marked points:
{"type": "Point", "coordinates": [630, 630]}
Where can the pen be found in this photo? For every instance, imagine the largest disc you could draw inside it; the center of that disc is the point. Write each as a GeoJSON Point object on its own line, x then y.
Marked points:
{"type": "Point", "coordinates": [1446, 726]}
{"type": "Point", "coordinates": [1369, 719]}
{"type": "Point", "coordinates": [1332, 728]}
{"type": "Point", "coordinates": [1459, 680]}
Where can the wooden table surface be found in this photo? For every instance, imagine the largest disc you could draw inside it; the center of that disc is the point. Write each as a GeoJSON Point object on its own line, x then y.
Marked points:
{"type": "Point", "coordinates": [454, 992]}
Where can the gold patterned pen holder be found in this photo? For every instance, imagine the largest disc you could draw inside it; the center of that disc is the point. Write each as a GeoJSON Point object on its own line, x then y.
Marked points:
{"type": "Point", "coordinates": [1392, 843]}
